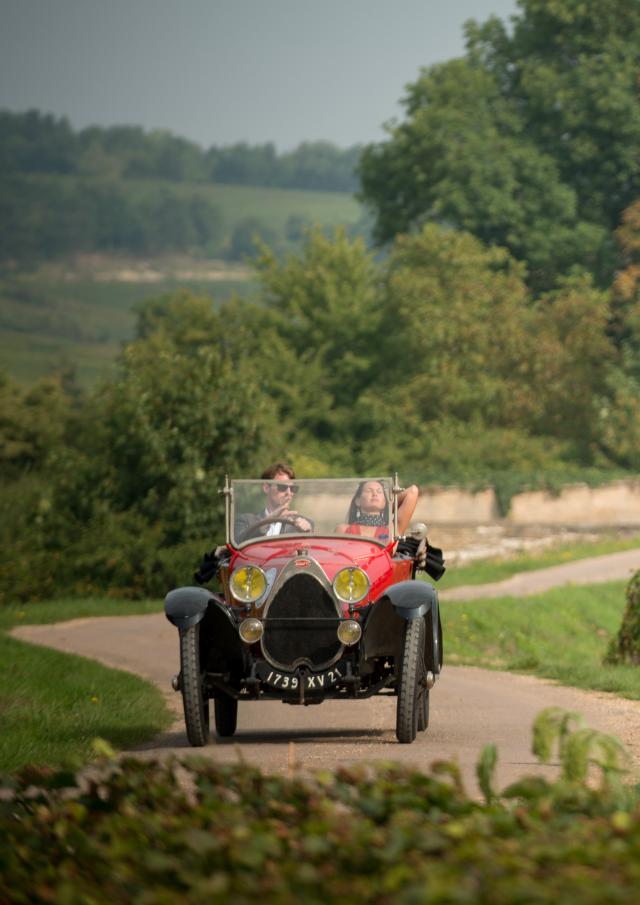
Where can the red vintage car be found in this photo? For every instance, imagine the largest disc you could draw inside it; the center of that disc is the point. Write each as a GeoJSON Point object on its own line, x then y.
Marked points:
{"type": "Point", "coordinates": [311, 606]}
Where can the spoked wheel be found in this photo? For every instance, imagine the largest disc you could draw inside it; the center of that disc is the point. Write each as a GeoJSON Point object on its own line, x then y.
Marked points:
{"type": "Point", "coordinates": [196, 704]}
{"type": "Point", "coordinates": [423, 707]}
{"type": "Point", "coordinates": [225, 709]}
{"type": "Point", "coordinates": [412, 692]}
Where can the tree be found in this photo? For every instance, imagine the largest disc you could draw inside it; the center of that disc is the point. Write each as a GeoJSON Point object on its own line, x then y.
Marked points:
{"type": "Point", "coordinates": [456, 349]}
{"type": "Point", "coordinates": [32, 423]}
{"type": "Point", "coordinates": [574, 67]}
{"type": "Point", "coordinates": [35, 142]}
{"type": "Point", "coordinates": [247, 235]}
{"type": "Point", "coordinates": [528, 142]}
{"type": "Point", "coordinates": [477, 375]}
{"type": "Point", "coordinates": [183, 409]}
{"type": "Point", "coordinates": [323, 321]}
{"type": "Point", "coordinates": [573, 367]}
{"type": "Point", "coordinates": [625, 326]}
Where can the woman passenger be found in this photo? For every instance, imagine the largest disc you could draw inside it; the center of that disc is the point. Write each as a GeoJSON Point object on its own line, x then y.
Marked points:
{"type": "Point", "coordinates": [368, 514]}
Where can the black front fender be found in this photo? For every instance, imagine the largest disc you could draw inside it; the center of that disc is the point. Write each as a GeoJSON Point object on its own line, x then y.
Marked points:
{"type": "Point", "coordinates": [220, 646]}
{"type": "Point", "coordinates": [185, 607]}
{"type": "Point", "coordinates": [411, 599]}
{"type": "Point", "coordinates": [384, 628]}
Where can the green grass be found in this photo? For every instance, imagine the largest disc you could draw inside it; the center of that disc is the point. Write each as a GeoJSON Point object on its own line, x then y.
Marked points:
{"type": "Point", "coordinates": [561, 634]}
{"type": "Point", "coordinates": [29, 356]}
{"type": "Point", "coordinates": [272, 205]}
{"type": "Point", "coordinates": [53, 705]}
{"type": "Point", "coordinates": [48, 612]}
{"type": "Point", "coordinates": [47, 320]}
{"type": "Point", "coordinates": [498, 568]}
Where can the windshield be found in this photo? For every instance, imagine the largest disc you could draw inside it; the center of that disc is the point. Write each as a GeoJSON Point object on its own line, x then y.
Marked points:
{"type": "Point", "coordinates": [352, 507]}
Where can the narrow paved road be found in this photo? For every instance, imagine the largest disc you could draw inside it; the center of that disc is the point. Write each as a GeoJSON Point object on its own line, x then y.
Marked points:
{"type": "Point", "coordinates": [609, 567]}
{"type": "Point", "coordinates": [469, 707]}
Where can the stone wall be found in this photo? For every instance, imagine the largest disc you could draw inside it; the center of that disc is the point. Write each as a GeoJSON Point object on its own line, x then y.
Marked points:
{"type": "Point", "coordinates": [615, 504]}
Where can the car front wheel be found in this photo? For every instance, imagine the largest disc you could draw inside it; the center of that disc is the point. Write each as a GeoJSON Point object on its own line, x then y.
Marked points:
{"type": "Point", "coordinates": [196, 704]}
{"type": "Point", "coordinates": [412, 712]}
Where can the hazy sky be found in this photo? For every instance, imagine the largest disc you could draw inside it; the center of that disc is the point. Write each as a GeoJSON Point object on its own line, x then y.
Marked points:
{"type": "Point", "coordinates": [221, 71]}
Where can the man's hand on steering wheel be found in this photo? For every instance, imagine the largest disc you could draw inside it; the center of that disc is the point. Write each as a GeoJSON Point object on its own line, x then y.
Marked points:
{"type": "Point", "coordinates": [283, 514]}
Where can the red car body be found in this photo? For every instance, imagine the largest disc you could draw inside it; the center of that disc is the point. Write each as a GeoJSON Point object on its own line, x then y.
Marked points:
{"type": "Point", "coordinates": [305, 617]}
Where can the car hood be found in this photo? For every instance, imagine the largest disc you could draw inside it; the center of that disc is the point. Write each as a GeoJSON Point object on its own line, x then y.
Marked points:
{"type": "Point", "coordinates": [331, 554]}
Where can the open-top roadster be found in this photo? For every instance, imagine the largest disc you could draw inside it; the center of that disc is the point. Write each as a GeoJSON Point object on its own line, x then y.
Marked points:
{"type": "Point", "coordinates": [308, 609]}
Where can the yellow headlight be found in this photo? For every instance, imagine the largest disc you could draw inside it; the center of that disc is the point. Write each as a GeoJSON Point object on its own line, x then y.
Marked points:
{"type": "Point", "coordinates": [351, 584]}
{"type": "Point", "coordinates": [248, 584]}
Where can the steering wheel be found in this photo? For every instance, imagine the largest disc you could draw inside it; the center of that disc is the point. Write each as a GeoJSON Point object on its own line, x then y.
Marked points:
{"type": "Point", "coordinates": [268, 520]}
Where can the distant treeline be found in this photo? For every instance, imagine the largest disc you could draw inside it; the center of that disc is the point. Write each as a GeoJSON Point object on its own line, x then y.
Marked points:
{"type": "Point", "coordinates": [47, 216]}
{"type": "Point", "coordinates": [35, 142]}
{"type": "Point", "coordinates": [123, 190]}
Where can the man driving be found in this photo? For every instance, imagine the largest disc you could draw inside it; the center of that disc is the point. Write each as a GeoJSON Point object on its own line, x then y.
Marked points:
{"type": "Point", "coordinates": [278, 516]}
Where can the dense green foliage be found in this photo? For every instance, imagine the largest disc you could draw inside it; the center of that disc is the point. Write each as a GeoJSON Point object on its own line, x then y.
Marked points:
{"type": "Point", "coordinates": [529, 141]}
{"type": "Point", "coordinates": [129, 500]}
{"type": "Point", "coordinates": [342, 363]}
{"type": "Point", "coordinates": [625, 648]}
{"type": "Point", "coordinates": [46, 217]}
{"type": "Point", "coordinates": [197, 831]}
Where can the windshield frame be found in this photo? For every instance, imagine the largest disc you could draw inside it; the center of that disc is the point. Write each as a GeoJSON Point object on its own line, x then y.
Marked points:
{"type": "Point", "coordinates": [233, 490]}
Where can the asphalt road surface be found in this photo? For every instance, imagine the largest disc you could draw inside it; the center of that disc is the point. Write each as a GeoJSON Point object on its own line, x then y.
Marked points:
{"type": "Point", "coordinates": [469, 707]}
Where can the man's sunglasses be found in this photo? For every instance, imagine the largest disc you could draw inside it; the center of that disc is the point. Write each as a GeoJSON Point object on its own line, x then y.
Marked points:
{"type": "Point", "coordinates": [282, 488]}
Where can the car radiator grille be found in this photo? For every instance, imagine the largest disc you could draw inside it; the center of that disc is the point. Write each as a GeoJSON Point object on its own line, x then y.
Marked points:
{"type": "Point", "coordinates": [301, 624]}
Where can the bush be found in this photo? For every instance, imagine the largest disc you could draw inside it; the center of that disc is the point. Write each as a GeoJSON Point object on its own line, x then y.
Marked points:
{"type": "Point", "coordinates": [625, 647]}
{"type": "Point", "coordinates": [115, 556]}
{"type": "Point", "coordinates": [362, 834]}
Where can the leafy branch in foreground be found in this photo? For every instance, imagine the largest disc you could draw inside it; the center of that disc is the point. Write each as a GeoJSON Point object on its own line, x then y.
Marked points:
{"type": "Point", "coordinates": [197, 831]}
{"type": "Point", "coordinates": [578, 749]}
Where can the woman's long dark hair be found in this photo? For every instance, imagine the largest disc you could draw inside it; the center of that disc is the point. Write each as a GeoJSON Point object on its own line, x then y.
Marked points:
{"type": "Point", "coordinates": [354, 509]}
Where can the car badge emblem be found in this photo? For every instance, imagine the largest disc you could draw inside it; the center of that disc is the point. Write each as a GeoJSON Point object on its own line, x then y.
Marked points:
{"type": "Point", "coordinates": [303, 563]}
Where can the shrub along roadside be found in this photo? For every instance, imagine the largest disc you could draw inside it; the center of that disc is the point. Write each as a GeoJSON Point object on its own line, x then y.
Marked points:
{"type": "Point", "coordinates": [625, 648]}
{"type": "Point", "coordinates": [54, 705]}
{"type": "Point", "coordinates": [200, 832]}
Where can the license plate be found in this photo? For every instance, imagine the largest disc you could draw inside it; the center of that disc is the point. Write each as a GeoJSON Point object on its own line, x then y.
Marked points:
{"type": "Point", "coordinates": [316, 681]}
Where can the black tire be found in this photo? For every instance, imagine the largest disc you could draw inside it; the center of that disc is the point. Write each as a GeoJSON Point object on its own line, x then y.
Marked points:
{"type": "Point", "coordinates": [410, 680]}
{"type": "Point", "coordinates": [196, 704]}
{"type": "Point", "coordinates": [225, 709]}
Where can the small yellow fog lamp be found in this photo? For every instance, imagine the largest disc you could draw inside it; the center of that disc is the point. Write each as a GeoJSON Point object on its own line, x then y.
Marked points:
{"type": "Point", "coordinates": [349, 631]}
{"type": "Point", "coordinates": [250, 630]}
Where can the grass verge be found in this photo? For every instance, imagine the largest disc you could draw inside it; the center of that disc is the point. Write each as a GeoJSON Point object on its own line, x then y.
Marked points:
{"type": "Point", "coordinates": [53, 705]}
{"type": "Point", "coordinates": [497, 568]}
{"type": "Point", "coordinates": [561, 634]}
{"type": "Point", "coordinates": [81, 320]}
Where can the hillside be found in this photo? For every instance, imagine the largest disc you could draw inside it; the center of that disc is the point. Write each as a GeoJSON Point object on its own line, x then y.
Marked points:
{"type": "Point", "coordinates": [79, 309]}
